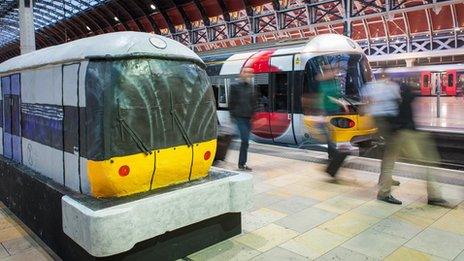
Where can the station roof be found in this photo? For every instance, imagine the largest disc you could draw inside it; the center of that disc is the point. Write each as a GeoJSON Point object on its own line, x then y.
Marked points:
{"type": "Point", "coordinates": [62, 21]}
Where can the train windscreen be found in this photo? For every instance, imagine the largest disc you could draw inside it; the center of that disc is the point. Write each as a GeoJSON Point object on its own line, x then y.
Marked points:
{"type": "Point", "coordinates": [139, 105]}
{"type": "Point", "coordinates": [353, 72]}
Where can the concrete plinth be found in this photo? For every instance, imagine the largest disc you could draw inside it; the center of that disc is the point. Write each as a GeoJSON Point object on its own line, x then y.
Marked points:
{"type": "Point", "coordinates": [116, 229]}
{"type": "Point", "coordinates": [162, 225]}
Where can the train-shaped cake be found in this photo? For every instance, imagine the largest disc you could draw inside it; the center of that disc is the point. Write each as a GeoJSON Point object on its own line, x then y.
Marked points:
{"type": "Point", "coordinates": [110, 115]}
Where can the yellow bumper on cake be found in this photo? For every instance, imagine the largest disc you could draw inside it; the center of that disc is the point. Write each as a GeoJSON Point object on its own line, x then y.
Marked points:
{"type": "Point", "coordinates": [126, 175]}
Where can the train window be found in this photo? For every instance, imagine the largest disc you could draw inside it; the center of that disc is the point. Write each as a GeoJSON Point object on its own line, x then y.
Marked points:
{"type": "Point", "coordinates": [280, 93]}
{"type": "Point", "coordinates": [450, 80]}
{"type": "Point", "coordinates": [262, 92]}
{"type": "Point", "coordinates": [353, 72]}
{"type": "Point", "coordinates": [139, 111]}
{"type": "Point", "coordinates": [426, 80]}
{"type": "Point", "coordinates": [223, 94]}
{"type": "Point", "coordinates": [216, 96]}
{"type": "Point", "coordinates": [365, 69]}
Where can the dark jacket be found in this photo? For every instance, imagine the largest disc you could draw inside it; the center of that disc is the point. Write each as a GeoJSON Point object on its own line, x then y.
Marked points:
{"type": "Point", "coordinates": [405, 118]}
{"type": "Point", "coordinates": [242, 102]}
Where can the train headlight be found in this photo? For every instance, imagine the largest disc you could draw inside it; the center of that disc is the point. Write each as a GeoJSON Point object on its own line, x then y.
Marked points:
{"type": "Point", "coordinates": [124, 171]}
{"type": "Point", "coordinates": [343, 123]}
{"type": "Point", "coordinates": [207, 155]}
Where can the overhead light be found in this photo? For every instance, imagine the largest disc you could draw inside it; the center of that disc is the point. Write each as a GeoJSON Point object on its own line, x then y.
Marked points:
{"type": "Point", "coordinates": [116, 19]}
{"type": "Point", "coordinates": [152, 6]}
{"type": "Point", "coordinates": [88, 28]}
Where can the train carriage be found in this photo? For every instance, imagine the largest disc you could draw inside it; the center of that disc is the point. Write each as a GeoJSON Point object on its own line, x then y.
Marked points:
{"type": "Point", "coordinates": [429, 80]}
{"type": "Point", "coordinates": [110, 115]}
{"type": "Point", "coordinates": [282, 75]}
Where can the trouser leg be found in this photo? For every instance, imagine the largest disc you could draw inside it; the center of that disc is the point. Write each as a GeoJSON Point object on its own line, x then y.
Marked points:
{"type": "Point", "coordinates": [426, 150]}
{"type": "Point", "coordinates": [244, 127]}
{"type": "Point", "coordinates": [389, 157]}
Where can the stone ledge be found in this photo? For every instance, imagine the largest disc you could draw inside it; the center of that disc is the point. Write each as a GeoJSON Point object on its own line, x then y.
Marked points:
{"type": "Point", "coordinates": [116, 229]}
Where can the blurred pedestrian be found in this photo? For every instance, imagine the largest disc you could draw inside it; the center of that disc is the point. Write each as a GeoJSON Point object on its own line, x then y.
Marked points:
{"type": "Point", "coordinates": [383, 97]}
{"type": "Point", "coordinates": [415, 145]}
{"type": "Point", "coordinates": [242, 106]}
{"type": "Point", "coordinates": [325, 102]}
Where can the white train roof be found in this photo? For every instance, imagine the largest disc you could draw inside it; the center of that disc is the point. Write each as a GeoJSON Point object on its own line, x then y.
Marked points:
{"type": "Point", "coordinates": [318, 45]}
{"type": "Point", "coordinates": [111, 45]}
{"type": "Point", "coordinates": [330, 43]}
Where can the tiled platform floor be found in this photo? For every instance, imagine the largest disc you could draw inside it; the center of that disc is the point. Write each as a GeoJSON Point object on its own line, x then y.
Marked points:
{"type": "Point", "coordinates": [299, 215]}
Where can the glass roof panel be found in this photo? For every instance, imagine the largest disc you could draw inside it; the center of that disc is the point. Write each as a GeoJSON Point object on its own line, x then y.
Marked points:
{"type": "Point", "coordinates": [46, 13]}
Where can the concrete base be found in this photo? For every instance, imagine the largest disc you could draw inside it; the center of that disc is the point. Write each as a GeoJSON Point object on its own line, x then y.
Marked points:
{"type": "Point", "coordinates": [116, 229]}
{"type": "Point", "coordinates": [45, 207]}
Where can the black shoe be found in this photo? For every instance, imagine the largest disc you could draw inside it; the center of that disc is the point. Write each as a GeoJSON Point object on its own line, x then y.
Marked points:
{"type": "Point", "coordinates": [439, 202]}
{"type": "Point", "coordinates": [390, 199]}
{"type": "Point", "coordinates": [244, 168]}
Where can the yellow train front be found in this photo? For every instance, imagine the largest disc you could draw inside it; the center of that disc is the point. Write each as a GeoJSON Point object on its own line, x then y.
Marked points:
{"type": "Point", "coordinates": [347, 131]}
{"type": "Point", "coordinates": [152, 124]}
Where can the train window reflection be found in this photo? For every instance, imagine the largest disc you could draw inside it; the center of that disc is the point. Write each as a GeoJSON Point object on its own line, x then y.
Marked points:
{"type": "Point", "coordinates": [281, 86]}
{"type": "Point", "coordinates": [353, 72]}
{"type": "Point", "coordinates": [426, 81]}
{"type": "Point", "coordinates": [450, 80]}
{"type": "Point", "coordinates": [263, 97]}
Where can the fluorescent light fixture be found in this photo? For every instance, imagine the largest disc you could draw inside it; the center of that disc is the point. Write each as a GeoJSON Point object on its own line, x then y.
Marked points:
{"type": "Point", "coordinates": [116, 19]}
{"type": "Point", "coordinates": [88, 28]}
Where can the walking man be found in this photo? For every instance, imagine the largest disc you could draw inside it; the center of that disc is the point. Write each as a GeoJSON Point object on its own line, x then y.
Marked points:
{"type": "Point", "coordinates": [242, 105]}
{"type": "Point", "coordinates": [383, 97]}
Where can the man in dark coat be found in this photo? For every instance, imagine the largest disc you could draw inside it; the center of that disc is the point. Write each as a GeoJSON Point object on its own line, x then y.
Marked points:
{"type": "Point", "coordinates": [242, 104]}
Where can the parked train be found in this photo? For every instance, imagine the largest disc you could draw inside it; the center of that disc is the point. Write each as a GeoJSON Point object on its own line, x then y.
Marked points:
{"type": "Point", "coordinates": [428, 80]}
{"type": "Point", "coordinates": [283, 75]}
{"type": "Point", "coordinates": [110, 115]}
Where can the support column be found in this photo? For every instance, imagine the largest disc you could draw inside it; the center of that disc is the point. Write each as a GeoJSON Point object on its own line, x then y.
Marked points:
{"type": "Point", "coordinates": [409, 62]}
{"type": "Point", "coordinates": [347, 18]}
{"type": "Point", "coordinates": [26, 26]}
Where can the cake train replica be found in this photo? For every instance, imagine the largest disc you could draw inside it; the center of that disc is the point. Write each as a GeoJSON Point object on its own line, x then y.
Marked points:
{"type": "Point", "coordinates": [111, 115]}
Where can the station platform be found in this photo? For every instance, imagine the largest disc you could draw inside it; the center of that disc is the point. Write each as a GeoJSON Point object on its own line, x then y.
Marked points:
{"type": "Point", "coordinates": [451, 118]}
{"type": "Point", "coordinates": [299, 214]}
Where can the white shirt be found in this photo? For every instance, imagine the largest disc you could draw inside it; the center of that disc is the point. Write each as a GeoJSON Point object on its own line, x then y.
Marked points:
{"type": "Point", "coordinates": [382, 97]}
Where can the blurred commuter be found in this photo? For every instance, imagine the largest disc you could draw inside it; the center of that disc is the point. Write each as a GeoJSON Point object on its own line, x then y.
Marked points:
{"type": "Point", "coordinates": [326, 102]}
{"type": "Point", "coordinates": [416, 145]}
{"type": "Point", "coordinates": [383, 97]}
{"type": "Point", "coordinates": [242, 106]}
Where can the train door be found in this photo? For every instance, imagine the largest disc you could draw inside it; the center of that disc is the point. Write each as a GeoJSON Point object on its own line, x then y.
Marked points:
{"type": "Point", "coordinates": [261, 119]}
{"type": "Point", "coordinates": [11, 90]}
{"type": "Point", "coordinates": [450, 82]}
{"type": "Point", "coordinates": [281, 113]}
{"type": "Point", "coordinates": [281, 116]}
{"type": "Point", "coordinates": [425, 85]}
{"type": "Point", "coordinates": [71, 122]}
